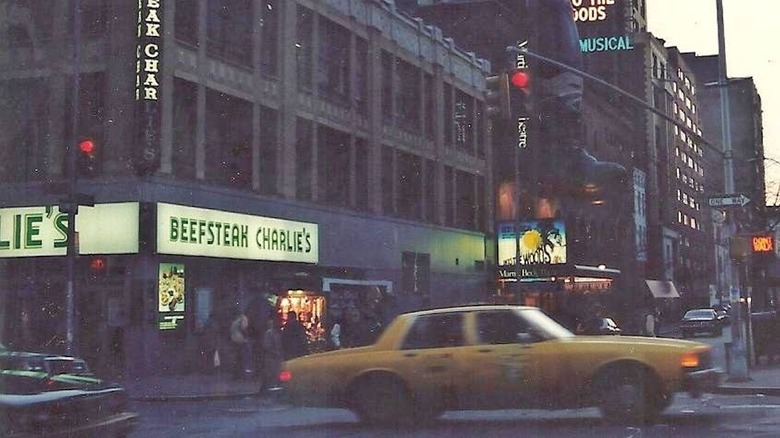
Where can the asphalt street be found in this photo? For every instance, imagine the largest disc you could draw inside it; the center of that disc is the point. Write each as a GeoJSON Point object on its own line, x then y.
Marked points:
{"type": "Point", "coordinates": [710, 416]}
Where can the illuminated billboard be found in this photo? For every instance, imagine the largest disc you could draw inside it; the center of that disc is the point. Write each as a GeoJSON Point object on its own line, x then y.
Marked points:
{"type": "Point", "coordinates": [43, 230]}
{"type": "Point", "coordinates": [602, 25]}
{"type": "Point", "coordinates": [541, 243]}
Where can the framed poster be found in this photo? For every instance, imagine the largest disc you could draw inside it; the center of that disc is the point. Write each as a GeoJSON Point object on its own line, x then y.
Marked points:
{"type": "Point", "coordinates": [170, 295]}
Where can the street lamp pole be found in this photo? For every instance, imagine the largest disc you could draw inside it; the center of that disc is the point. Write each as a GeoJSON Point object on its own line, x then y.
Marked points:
{"type": "Point", "coordinates": [738, 363]}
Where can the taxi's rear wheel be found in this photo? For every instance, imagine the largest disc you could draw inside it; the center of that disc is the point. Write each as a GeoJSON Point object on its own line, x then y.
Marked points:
{"type": "Point", "coordinates": [629, 395]}
{"type": "Point", "coordinates": [382, 400]}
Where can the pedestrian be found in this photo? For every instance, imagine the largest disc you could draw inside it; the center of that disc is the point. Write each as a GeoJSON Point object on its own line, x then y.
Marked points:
{"type": "Point", "coordinates": [239, 336]}
{"type": "Point", "coordinates": [294, 339]}
{"type": "Point", "coordinates": [210, 345]}
{"type": "Point", "coordinates": [335, 335]}
{"type": "Point", "coordinates": [650, 324]}
{"type": "Point", "coordinates": [272, 354]}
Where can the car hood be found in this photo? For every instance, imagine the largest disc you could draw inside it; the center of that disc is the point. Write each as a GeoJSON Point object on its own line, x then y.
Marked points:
{"type": "Point", "coordinates": [697, 319]}
{"type": "Point", "coordinates": [633, 341]}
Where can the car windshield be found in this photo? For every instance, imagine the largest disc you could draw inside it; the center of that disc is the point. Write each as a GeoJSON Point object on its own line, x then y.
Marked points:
{"type": "Point", "coordinates": [699, 313]}
{"type": "Point", "coordinates": [546, 325]}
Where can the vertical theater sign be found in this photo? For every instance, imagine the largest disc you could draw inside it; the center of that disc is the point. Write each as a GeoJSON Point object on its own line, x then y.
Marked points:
{"type": "Point", "coordinates": [148, 73]}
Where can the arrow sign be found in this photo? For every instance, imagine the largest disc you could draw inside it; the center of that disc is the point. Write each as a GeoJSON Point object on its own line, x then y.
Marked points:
{"type": "Point", "coordinates": [729, 201]}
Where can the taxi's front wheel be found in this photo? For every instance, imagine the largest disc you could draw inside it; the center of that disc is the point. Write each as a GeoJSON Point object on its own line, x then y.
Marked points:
{"type": "Point", "coordinates": [629, 395]}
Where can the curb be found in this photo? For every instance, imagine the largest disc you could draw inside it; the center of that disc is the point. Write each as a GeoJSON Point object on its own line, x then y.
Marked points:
{"type": "Point", "coordinates": [195, 397]}
{"type": "Point", "coordinates": [747, 390]}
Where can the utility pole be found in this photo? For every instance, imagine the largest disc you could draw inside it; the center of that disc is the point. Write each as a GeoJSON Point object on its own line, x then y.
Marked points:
{"type": "Point", "coordinates": [738, 358]}
{"type": "Point", "coordinates": [72, 206]}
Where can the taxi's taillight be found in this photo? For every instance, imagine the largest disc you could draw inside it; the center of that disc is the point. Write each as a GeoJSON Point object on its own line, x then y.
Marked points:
{"type": "Point", "coordinates": [285, 376]}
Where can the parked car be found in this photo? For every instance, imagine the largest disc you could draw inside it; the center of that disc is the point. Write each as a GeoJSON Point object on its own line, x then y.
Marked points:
{"type": "Point", "coordinates": [49, 363]}
{"type": "Point", "coordinates": [497, 357]}
{"type": "Point", "coordinates": [598, 326]}
{"type": "Point", "coordinates": [723, 316]}
{"type": "Point", "coordinates": [34, 403]}
{"type": "Point", "coordinates": [701, 320]}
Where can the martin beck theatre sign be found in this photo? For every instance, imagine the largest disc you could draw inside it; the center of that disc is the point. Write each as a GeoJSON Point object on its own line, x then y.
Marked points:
{"type": "Point", "coordinates": [212, 233]}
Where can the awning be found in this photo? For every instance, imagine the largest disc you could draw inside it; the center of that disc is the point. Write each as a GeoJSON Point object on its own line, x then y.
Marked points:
{"type": "Point", "coordinates": [662, 289]}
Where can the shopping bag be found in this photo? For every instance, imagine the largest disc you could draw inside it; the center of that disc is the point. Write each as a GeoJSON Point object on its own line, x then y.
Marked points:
{"type": "Point", "coordinates": [217, 362]}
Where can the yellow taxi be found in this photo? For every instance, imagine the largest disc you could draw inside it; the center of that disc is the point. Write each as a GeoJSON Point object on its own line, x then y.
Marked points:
{"type": "Point", "coordinates": [497, 357]}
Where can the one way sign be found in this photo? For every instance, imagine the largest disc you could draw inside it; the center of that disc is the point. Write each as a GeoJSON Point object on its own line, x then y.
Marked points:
{"type": "Point", "coordinates": [729, 201]}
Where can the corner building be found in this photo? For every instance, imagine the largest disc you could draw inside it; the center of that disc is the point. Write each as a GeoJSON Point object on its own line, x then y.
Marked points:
{"type": "Point", "coordinates": [329, 157]}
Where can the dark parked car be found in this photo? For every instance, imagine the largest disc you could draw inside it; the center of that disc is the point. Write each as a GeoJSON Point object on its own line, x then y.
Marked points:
{"type": "Point", "coordinates": [55, 395]}
{"type": "Point", "coordinates": [701, 320]}
{"type": "Point", "coordinates": [50, 364]}
{"type": "Point", "coordinates": [34, 403]}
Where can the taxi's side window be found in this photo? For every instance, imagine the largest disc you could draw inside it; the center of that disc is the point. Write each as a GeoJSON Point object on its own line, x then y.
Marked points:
{"type": "Point", "coordinates": [435, 331]}
{"type": "Point", "coordinates": [501, 327]}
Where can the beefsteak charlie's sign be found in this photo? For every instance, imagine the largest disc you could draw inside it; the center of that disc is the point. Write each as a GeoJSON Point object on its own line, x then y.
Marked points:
{"type": "Point", "coordinates": [212, 233]}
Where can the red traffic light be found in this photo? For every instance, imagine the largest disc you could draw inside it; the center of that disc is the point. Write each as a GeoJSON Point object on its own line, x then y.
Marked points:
{"type": "Point", "coordinates": [87, 146]}
{"type": "Point", "coordinates": [520, 79]}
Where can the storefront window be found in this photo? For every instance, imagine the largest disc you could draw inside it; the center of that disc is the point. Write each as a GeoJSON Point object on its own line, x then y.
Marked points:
{"type": "Point", "coordinates": [310, 309]}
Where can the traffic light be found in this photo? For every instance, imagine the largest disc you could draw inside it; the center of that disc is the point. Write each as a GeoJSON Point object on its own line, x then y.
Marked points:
{"type": "Point", "coordinates": [87, 157]}
{"type": "Point", "coordinates": [497, 102]}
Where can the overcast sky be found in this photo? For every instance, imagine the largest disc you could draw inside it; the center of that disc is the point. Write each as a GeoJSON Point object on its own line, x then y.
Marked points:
{"type": "Point", "coordinates": [751, 50]}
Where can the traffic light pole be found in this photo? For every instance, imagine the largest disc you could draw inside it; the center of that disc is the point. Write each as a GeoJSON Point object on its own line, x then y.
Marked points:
{"type": "Point", "coordinates": [72, 206]}
{"type": "Point", "coordinates": [738, 357]}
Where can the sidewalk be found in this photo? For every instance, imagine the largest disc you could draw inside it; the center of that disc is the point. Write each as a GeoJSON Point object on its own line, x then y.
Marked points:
{"type": "Point", "coordinates": [196, 386]}
{"type": "Point", "coordinates": [762, 379]}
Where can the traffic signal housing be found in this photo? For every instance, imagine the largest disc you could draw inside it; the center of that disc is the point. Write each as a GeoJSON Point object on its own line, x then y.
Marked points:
{"type": "Point", "coordinates": [87, 157]}
{"type": "Point", "coordinates": [497, 102]}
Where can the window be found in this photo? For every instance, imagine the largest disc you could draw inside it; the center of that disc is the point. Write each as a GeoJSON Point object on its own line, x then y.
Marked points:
{"type": "Point", "coordinates": [435, 331]}
{"type": "Point", "coordinates": [333, 163]}
{"type": "Point", "coordinates": [409, 186]}
{"type": "Point", "coordinates": [449, 196]}
{"type": "Point", "coordinates": [429, 91]}
{"type": "Point", "coordinates": [268, 145]}
{"type": "Point", "coordinates": [304, 151]}
{"type": "Point", "coordinates": [502, 327]}
{"type": "Point", "coordinates": [388, 179]}
{"type": "Point", "coordinates": [269, 37]}
{"type": "Point", "coordinates": [408, 97]}
{"type": "Point", "coordinates": [360, 93]}
{"type": "Point", "coordinates": [466, 201]}
{"type": "Point", "coordinates": [429, 187]}
{"type": "Point", "coordinates": [361, 174]}
{"type": "Point", "coordinates": [186, 21]}
{"type": "Point", "coordinates": [387, 87]}
{"type": "Point", "coordinates": [333, 61]}
{"type": "Point", "coordinates": [229, 30]}
{"type": "Point", "coordinates": [304, 48]}
{"type": "Point", "coordinates": [228, 140]}
{"type": "Point", "coordinates": [185, 103]}
{"type": "Point", "coordinates": [25, 131]}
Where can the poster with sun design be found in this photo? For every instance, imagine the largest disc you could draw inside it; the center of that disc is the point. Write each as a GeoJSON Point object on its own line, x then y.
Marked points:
{"type": "Point", "coordinates": [541, 243]}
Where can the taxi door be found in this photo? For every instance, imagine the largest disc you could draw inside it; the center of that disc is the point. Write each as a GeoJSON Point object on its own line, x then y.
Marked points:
{"type": "Point", "coordinates": [430, 357]}
{"type": "Point", "coordinates": [502, 368]}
